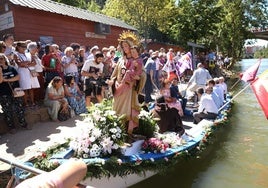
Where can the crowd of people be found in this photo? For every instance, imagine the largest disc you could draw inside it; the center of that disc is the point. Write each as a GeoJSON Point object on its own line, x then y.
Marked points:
{"type": "Point", "coordinates": [69, 78]}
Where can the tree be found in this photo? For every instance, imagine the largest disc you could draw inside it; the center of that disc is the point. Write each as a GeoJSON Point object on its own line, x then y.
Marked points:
{"type": "Point", "coordinates": [237, 19]}
{"type": "Point", "coordinates": [142, 14]}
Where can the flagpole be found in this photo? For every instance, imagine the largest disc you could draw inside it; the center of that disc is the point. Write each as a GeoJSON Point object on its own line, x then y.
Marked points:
{"type": "Point", "coordinates": [235, 84]}
{"type": "Point", "coordinates": [234, 97]}
{"type": "Point", "coordinates": [22, 166]}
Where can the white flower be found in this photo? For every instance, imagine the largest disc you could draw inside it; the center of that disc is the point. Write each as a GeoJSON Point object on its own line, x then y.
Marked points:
{"type": "Point", "coordinates": [110, 112]}
{"type": "Point", "coordinates": [96, 132]}
{"type": "Point", "coordinates": [107, 145]}
{"type": "Point", "coordinates": [92, 138]}
{"type": "Point", "coordinates": [113, 130]}
{"type": "Point", "coordinates": [115, 146]}
{"type": "Point", "coordinates": [118, 135]}
{"type": "Point", "coordinates": [85, 155]}
{"type": "Point", "coordinates": [118, 129]}
{"type": "Point", "coordinates": [113, 136]}
{"type": "Point", "coordinates": [95, 151]}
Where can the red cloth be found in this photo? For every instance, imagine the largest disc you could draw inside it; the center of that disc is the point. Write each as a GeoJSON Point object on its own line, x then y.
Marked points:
{"type": "Point", "coordinates": [171, 76]}
{"type": "Point", "coordinates": [260, 88]}
{"type": "Point", "coordinates": [250, 73]}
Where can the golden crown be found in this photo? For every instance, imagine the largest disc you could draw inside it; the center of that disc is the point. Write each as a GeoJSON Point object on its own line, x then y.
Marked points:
{"type": "Point", "coordinates": [130, 37]}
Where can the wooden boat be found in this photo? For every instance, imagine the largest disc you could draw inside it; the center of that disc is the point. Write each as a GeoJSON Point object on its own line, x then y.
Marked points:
{"type": "Point", "coordinates": [134, 164]}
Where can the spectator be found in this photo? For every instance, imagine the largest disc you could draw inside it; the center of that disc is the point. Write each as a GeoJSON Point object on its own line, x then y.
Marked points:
{"type": "Point", "coordinates": [70, 64]}
{"type": "Point", "coordinates": [2, 47]}
{"type": "Point", "coordinates": [39, 93]}
{"type": "Point", "coordinates": [52, 65]}
{"type": "Point", "coordinates": [75, 97]}
{"type": "Point", "coordinates": [55, 98]}
{"type": "Point", "coordinates": [150, 68]}
{"type": "Point", "coordinates": [92, 72]}
{"type": "Point", "coordinates": [26, 65]}
{"type": "Point", "coordinates": [8, 80]}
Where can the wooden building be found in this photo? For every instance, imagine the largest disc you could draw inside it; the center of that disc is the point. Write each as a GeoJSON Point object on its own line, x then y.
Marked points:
{"type": "Point", "coordinates": [51, 22]}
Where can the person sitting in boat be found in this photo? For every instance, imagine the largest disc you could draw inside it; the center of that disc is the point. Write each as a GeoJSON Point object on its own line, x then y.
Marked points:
{"type": "Point", "coordinates": [223, 85]}
{"type": "Point", "coordinates": [170, 119]}
{"type": "Point", "coordinates": [214, 94]}
{"type": "Point", "coordinates": [67, 175]}
{"type": "Point", "coordinates": [172, 102]}
{"type": "Point", "coordinates": [175, 93]}
{"type": "Point", "coordinates": [219, 89]}
{"type": "Point", "coordinates": [207, 108]}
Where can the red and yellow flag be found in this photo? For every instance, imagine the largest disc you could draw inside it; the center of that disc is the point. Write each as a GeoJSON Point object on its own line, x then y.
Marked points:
{"type": "Point", "coordinates": [260, 88]}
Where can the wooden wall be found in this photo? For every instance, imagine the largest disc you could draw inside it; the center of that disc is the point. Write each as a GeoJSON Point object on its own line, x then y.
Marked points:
{"type": "Point", "coordinates": [31, 24]}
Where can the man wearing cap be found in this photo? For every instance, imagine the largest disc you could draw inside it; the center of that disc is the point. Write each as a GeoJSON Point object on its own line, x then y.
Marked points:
{"type": "Point", "coordinates": [92, 51]}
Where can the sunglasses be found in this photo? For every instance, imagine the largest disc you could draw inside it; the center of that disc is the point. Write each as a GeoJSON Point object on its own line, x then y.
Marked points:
{"type": "Point", "coordinates": [4, 47]}
{"type": "Point", "coordinates": [2, 58]}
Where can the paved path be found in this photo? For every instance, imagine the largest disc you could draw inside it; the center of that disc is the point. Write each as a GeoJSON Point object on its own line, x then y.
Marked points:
{"type": "Point", "coordinates": [26, 144]}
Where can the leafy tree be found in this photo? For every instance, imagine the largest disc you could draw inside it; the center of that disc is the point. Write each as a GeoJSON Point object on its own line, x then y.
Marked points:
{"type": "Point", "coordinates": [237, 19]}
{"type": "Point", "coordinates": [142, 14]}
{"type": "Point", "coordinates": [263, 53]}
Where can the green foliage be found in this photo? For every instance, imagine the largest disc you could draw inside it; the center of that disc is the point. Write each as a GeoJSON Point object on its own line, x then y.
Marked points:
{"type": "Point", "coordinates": [263, 53]}
{"type": "Point", "coordinates": [147, 124]}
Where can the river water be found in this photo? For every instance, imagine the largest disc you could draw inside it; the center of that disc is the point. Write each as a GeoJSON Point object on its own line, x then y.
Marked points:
{"type": "Point", "coordinates": [238, 159]}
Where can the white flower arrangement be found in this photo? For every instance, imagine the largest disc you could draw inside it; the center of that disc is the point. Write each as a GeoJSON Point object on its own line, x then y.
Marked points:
{"type": "Point", "coordinates": [171, 138]}
{"type": "Point", "coordinates": [102, 133]}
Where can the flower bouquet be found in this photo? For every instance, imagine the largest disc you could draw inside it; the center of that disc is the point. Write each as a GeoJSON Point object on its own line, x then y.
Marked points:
{"type": "Point", "coordinates": [155, 145]}
{"type": "Point", "coordinates": [147, 124]}
{"type": "Point", "coordinates": [102, 133]}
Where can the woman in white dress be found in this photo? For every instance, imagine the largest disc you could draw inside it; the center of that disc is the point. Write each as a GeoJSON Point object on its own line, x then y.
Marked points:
{"type": "Point", "coordinates": [25, 65]}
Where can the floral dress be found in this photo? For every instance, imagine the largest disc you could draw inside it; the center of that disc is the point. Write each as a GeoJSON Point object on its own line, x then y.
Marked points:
{"type": "Point", "coordinates": [76, 101]}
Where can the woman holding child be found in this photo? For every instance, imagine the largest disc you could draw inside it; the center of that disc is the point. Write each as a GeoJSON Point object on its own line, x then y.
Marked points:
{"type": "Point", "coordinates": [129, 80]}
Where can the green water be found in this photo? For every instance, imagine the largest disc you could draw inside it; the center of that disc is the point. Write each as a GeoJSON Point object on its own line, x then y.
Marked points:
{"type": "Point", "coordinates": [238, 158]}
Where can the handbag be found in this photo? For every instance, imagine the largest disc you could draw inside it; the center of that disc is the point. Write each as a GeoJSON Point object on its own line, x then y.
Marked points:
{"type": "Point", "coordinates": [17, 92]}
{"type": "Point", "coordinates": [64, 114]}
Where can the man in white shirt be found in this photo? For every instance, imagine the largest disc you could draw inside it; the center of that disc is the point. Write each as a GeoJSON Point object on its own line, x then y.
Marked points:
{"type": "Point", "coordinates": [219, 90]}
{"type": "Point", "coordinates": [207, 108]}
{"type": "Point", "coordinates": [92, 71]}
{"type": "Point", "coordinates": [199, 78]}
{"type": "Point", "coordinates": [215, 93]}
{"type": "Point", "coordinates": [223, 85]}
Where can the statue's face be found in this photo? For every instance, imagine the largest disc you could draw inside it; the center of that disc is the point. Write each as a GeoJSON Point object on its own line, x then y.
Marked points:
{"type": "Point", "coordinates": [126, 47]}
